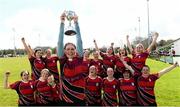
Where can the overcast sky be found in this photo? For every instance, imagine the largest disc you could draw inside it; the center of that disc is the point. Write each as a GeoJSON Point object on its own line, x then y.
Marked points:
{"type": "Point", "coordinates": [104, 20]}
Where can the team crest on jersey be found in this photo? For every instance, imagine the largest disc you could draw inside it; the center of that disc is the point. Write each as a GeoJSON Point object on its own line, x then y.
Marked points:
{"type": "Point", "coordinates": [114, 86]}
{"type": "Point", "coordinates": [132, 84]}
{"type": "Point", "coordinates": [53, 61]}
{"type": "Point", "coordinates": [139, 56]}
{"type": "Point", "coordinates": [31, 85]}
{"type": "Point", "coordinates": [97, 84]}
{"type": "Point", "coordinates": [111, 60]}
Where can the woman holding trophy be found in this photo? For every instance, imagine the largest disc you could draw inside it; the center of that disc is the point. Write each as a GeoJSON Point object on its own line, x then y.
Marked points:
{"type": "Point", "coordinates": [72, 76]}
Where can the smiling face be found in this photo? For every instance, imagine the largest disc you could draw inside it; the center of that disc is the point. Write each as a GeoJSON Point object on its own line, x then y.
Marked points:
{"type": "Point", "coordinates": [139, 48]}
{"type": "Point", "coordinates": [48, 52]}
{"type": "Point", "coordinates": [70, 50]}
{"type": "Point", "coordinates": [110, 51]}
{"type": "Point", "coordinates": [25, 75]}
{"type": "Point", "coordinates": [110, 72]}
{"type": "Point", "coordinates": [38, 53]}
{"type": "Point", "coordinates": [126, 74]}
{"type": "Point", "coordinates": [86, 54]}
{"type": "Point", "coordinates": [45, 74]}
{"type": "Point", "coordinates": [145, 71]}
{"type": "Point", "coordinates": [92, 70]}
{"type": "Point", "coordinates": [122, 52]}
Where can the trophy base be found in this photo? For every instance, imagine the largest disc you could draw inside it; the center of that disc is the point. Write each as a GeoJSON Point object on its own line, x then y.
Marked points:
{"type": "Point", "coordinates": [70, 33]}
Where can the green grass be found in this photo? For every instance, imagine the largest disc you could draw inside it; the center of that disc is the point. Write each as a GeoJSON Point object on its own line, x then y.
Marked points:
{"type": "Point", "coordinates": [15, 66]}
{"type": "Point", "coordinates": [167, 88]}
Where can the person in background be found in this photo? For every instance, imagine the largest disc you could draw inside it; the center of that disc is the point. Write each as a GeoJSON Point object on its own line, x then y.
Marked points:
{"type": "Point", "coordinates": [35, 59]}
{"type": "Point", "coordinates": [98, 63]}
{"type": "Point", "coordinates": [24, 88]}
{"type": "Point", "coordinates": [86, 62]}
{"type": "Point", "coordinates": [93, 85]}
{"type": "Point", "coordinates": [108, 57]}
{"type": "Point", "coordinates": [110, 88]}
{"type": "Point", "coordinates": [51, 64]}
{"type": "Point", "coordinates": [119, 66]}
{"type": "Point", "coordinates": [139, 54]}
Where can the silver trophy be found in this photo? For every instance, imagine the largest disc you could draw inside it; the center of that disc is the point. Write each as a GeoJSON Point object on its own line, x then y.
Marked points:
{"type": "Point", "coordinates": [70, 31]}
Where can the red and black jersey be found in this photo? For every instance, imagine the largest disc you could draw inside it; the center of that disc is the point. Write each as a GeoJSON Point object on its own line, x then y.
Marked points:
{"type": "Point", "coordinates": [127, 92]}
{"type": "Point", "coordinates": [85, 67]}
{"type": "Point", "coordinates": [45, 94]}
{"type": "Point", "coordinates": [99, 65]}
{"type": "Point", "coordinates": [119, 67]}
{"type": "Point", "coordinates": [93, 91]}
{"type": "Point", "coordinates": [110, 92]}
{"type": "Point", "coordinates": [72, 76]}
{"type": "Point", "coordinates": [108, 61]}
{"type": "Point", "coordinates": [145, 89]}
{"type": "Point", "coordinates": [138, 61]}
{"type": "Point", "coordinates": [36, 66]}
{"type": "Point", "coordinates": [51, 65]}
{"type": "Point", "coordinates": [25, 92]}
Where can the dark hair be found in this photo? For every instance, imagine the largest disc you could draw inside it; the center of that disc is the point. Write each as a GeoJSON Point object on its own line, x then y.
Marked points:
{"type": "Point", "coordinates": [24, 71]}
{"type": "Point", "coordinates": [111, 49]}
{"type": "Point", "coordinates": [69, 44]}
{"type": "Point", "coordinates": [128, 71]}
{"type": "Point", "coordinates": [36, 50]}
{"type": "Point", "coordinates": [124, 50]}
{"type": "Point", "coordinates": [147, 66]}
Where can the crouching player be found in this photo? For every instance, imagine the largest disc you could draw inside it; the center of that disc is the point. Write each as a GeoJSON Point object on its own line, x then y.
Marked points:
{"type": "Point", "coordinates": [46, 89]}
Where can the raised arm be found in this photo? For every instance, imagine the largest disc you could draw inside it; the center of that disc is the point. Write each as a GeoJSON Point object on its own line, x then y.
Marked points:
{"type": "Point", "coordinates": [6, 76]}
{"type": "Point", "coordinates": [31, 50]}
{"type": "Point", "coordinates": [126, 65]}
{"type": "Point", "coordinates": [27, 48]}
{"type": "Point", "coordinates": [128, 43]}
{"type": "Point", "coordinates": [79, 43]}
{"type": "Point", "coordinates": [61, 36]}
{"type": "Point", "coordinates": [164, 71]}
{"type": "Point", "coordinates": [112, 46]}
{"type": "Point", "coordinates": [96, 46]}
{"type": "Point", "coordinates": [155, 36]}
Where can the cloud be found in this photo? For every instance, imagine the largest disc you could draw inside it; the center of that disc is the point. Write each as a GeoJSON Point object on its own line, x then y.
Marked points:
{"type": "Point", "coordinates": [104, 20]}
{"type": "Point", "coordinates": [30, 23]}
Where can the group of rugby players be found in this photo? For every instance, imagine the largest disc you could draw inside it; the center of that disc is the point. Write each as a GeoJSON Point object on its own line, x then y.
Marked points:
{"type": "Point", "coordinates": [112, 80]}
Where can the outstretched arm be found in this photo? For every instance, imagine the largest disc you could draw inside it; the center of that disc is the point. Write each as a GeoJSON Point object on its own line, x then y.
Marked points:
{"type": "Point", "coordinates": [155, 36]}
{"type": "Point", "coordinates": [61, 36]}
{"type": "Point", "coordinates": [27, 48]}
{"type": "Point", "coordinates": [6, 76]}
{"type": "Point", "coordinates": [128, 44]}
{"type": "Point", "coordinates": [126, 65]}
{"type": "Point", "coordinates": [79, 43]}
{"type": "Point", "coordinates": [164, 71]}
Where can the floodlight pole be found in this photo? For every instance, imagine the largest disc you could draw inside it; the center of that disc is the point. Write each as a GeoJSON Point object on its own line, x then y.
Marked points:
{"type": "Point", "coordinates": [149, 36]}
{"type": "Point", "coordinates": [14, 31]}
